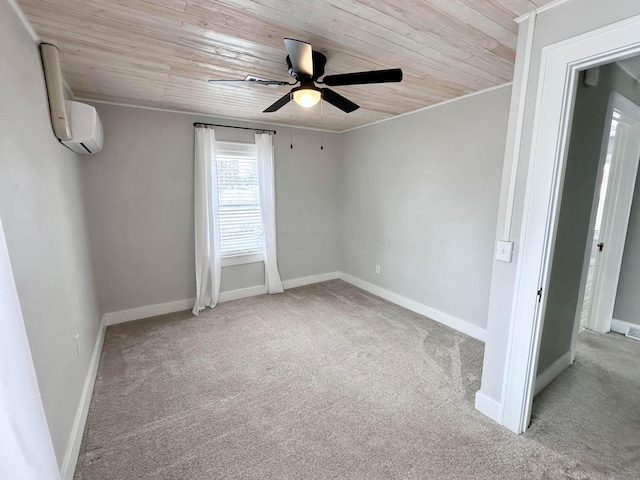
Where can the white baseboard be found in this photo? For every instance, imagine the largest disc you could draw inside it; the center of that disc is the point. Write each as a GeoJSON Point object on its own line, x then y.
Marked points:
{"type": "Point", "coordinates": [122, 316]}
{"type": "Point", "coordinates": [463, 326]}
{"type": "Point", "coordinates": [550, 374]}
{"type": "Point", "coordinates": [621, 326]}
{"type": "Point", "coordinates": [488, 406]}
{"type": "Point", "coordinates": [309, 279]}
{"type": "Point", "coordinates": [236, 294]}
{"type": "Point", "coordinates": [131, 314]}
{"type": "Point", "coordinates": [72, 452]}
{"type": "Point", "coordinates": [139, 313]}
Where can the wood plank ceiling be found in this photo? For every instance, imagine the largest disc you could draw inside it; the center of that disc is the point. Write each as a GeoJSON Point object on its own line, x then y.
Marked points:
{"type": "Point", "coordinates": [160, 53]}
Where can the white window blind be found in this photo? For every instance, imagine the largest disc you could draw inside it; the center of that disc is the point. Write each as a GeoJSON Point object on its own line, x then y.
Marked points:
{"type": "Point", "coordinates": [239, 197]}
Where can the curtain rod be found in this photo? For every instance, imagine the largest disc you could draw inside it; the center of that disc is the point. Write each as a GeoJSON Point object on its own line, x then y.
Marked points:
{"type": "Point", "coordinates": [200, 124]}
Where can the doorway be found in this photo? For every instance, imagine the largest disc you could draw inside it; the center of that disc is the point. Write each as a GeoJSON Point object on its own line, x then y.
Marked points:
{"type": "Point", "coordinates": [561, 65]}
{"type": "Point", "coordinates": [599, 180]}
{"type": "Point", "coordinates": [575, 413]}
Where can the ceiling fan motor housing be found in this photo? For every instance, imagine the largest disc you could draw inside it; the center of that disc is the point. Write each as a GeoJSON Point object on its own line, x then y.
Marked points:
{"type": "Point", "coordinates": [319, 61]}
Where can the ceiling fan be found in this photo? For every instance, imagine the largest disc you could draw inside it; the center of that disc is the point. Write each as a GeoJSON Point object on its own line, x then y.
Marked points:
{"type": "Point", "coordinates": [306, 66]}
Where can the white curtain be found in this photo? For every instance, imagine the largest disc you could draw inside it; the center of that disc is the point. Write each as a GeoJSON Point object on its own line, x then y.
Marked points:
{"type": "Point", "coordinates": [264, 144]}
{"type": "Point", "coordinates": [208, 260]}
{"type": "Point", "coordinates": [26, 451]}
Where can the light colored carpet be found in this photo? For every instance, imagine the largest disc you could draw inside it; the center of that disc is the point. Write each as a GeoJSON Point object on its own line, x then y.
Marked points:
{"type": "Point", "coordinates": [324, 381]}
{"type": "Point", "coordinates": [592, 410]}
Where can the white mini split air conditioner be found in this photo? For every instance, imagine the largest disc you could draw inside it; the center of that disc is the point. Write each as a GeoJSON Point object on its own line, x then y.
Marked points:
{"type": "Point", "coordinates": [86, 128]}
{"type": "Point", "coordinates": [76, 124]}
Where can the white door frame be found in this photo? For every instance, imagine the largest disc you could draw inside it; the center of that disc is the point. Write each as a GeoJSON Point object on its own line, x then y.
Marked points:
{"type": "Point", "coordinates": [27, 450]}
{"type": "Point", "coordinates": [560, 64]}
{"type": "Point", "coordinates": [615, 220]}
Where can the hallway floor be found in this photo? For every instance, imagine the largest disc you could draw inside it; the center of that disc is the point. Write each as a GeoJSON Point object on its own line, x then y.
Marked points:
{"type": "Point", "coordinates": [592, 408]}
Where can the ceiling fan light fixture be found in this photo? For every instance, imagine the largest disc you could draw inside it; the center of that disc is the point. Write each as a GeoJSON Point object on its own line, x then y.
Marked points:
{"type": "Point", "coordinates": [307, 97]}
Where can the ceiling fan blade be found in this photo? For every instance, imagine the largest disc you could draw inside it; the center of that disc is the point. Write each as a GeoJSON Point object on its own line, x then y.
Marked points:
{"type": "Point", "coordinates": [279, 104]}
{"type": "Point", "coordinates": [250, 81]}
{"type": "Point", "coordinates": [339, 101]}
{"type": "Point", "coordinates": [301, 56]}
{"type": "Point", "coordinates": [361, 78]}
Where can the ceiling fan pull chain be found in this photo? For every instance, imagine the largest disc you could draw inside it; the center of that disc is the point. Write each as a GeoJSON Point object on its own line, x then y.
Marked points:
{"type": "Point", "coordinates": [321, 128]}
{"type": "Point", "coordinates": [291, 128]}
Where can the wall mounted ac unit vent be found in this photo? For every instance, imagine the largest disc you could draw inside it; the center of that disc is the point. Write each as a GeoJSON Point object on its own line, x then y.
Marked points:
{"type": "Point", "coordinates": [86, 128]}
{"type": "Point", "coordinates": [55, 91]}
{"type": "Point", "coordinates": [76, 124]}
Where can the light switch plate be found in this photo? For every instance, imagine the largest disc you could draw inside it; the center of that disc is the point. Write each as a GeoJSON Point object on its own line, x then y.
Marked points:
{"type": "Point", "coordinates": [504, 252]}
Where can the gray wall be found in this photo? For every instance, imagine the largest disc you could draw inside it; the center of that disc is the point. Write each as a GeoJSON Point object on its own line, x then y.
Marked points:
{"type": "Point", "coordinates": [574, 239]}
{"type": "Point", "coordinates": [421, 200]}
{"type": "Point", "coordinates": [140, 204]}
{"type": "Point", "coordinates": [627, 307]}
{"type": "Point", "coordinates": [41, 207]}
{"type": "Point", "coordinates": [347, 207]}
{"type": "Point", "coordinates": [563, 21]}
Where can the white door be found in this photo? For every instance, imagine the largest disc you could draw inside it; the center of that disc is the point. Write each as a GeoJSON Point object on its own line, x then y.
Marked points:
{"type": "Point", "coordinates": [622, 147]}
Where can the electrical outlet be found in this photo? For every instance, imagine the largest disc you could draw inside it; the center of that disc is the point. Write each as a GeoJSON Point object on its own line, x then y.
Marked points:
{"type": "Point", "coordinates": [77, 339]}
{"type": "Point", "coordinates": [377, 268]}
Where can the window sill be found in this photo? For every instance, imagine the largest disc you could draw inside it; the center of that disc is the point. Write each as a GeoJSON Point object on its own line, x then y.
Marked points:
{"type": "Point", "coordinates": [242, 259]}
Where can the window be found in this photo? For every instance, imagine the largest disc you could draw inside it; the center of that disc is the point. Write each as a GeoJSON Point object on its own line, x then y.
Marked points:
{"type": "Point", "coordinates": [239, 198]}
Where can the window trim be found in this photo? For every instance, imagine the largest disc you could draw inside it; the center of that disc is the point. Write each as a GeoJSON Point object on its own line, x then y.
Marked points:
{"type": "Point", "coordinates": [242, 259]}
